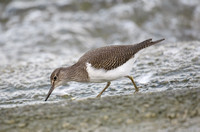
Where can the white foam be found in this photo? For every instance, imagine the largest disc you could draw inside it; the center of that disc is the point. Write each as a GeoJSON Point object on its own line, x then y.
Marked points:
{"type": "Point", "coordinates": [145, 78]}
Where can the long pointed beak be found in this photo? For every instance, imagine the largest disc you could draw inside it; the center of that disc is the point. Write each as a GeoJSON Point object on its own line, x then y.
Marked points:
{"type": "Point", "coordinates": [50, 91]}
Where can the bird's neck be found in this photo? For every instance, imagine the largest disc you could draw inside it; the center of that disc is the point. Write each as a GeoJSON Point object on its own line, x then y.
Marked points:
{"type": "Point", "coordinates": [77, 73]}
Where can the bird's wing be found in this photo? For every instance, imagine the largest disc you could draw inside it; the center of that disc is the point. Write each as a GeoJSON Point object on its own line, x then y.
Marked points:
{"type": "Point", "coordinates": [109, 57]}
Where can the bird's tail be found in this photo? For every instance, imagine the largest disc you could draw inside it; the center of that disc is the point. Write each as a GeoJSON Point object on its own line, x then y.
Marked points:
{"type": "Point", "coordinates": [146, 43]}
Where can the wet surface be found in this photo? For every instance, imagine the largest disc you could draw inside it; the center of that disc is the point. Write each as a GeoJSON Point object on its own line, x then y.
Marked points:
{"type": "Point", "coordinates": [38, 36]}
{"type": "Point", "coordinates": [173, 110]}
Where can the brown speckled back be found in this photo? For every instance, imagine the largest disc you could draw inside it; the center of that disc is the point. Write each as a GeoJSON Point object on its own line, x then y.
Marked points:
{"type": "Point", "coordinates": [110, 57]}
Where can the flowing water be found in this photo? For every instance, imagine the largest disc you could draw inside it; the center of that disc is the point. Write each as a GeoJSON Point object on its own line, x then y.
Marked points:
{"type": "Point", "coordinates": [37, 36]}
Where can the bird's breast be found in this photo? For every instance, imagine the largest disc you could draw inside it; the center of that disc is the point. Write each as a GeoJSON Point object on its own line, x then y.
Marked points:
{"type": "Point", "coordinates": [102, 75]}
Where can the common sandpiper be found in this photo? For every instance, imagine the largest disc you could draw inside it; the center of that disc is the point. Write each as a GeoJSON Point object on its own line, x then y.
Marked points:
{"type": "Point", "coordinates": [99, 65]}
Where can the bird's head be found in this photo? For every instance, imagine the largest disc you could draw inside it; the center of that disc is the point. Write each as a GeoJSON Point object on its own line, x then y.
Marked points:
{"type": "Point", "coordinates": [57, 78]}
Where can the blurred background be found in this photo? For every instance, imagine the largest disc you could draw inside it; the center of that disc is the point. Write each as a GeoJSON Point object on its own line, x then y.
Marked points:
{"type": "Point", "coordinates": [37, 36]}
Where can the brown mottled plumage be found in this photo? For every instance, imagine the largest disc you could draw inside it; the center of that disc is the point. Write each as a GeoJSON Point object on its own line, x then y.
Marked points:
{"type": "Point", "coordinates": [110, 57]}
{"type": "Point", "coordinates": [107, 58]}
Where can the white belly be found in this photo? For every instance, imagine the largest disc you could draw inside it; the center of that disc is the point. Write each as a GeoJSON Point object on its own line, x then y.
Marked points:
{"type": "Point", "coordinates": [101, 75]}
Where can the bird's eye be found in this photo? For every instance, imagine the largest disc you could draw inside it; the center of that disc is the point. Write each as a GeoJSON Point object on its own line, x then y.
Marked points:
{"type": "Point", "coordinates": [55, 78]}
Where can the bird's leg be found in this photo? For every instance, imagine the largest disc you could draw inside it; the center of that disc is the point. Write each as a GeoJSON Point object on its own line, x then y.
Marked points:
{"type": "Point", "coordinates": [108, 84]}
{"type": "Point", "coordinates": [131, 78]}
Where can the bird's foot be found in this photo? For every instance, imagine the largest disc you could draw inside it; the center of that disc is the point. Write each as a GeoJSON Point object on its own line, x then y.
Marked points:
{"type": "Point", "coordinates": [98, 96]}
